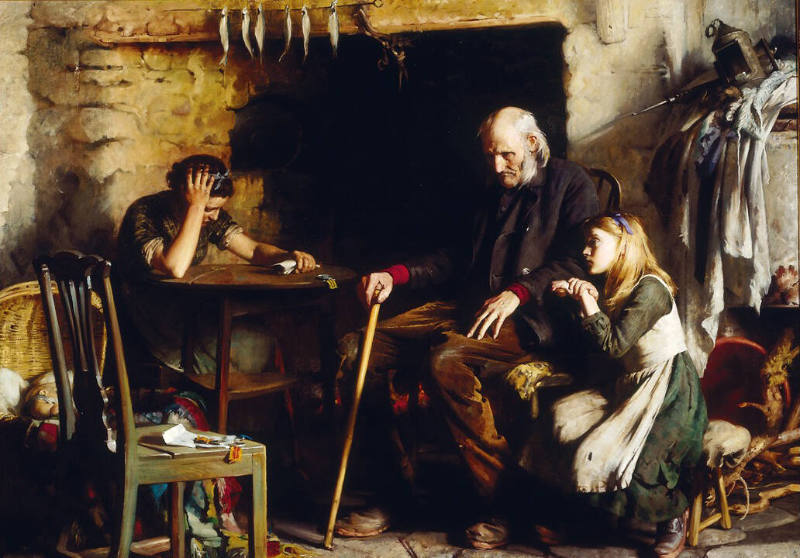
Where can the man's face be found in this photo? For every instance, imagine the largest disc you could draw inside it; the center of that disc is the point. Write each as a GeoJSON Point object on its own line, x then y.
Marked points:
{"type": "Point", "coordinates": [505, 150]}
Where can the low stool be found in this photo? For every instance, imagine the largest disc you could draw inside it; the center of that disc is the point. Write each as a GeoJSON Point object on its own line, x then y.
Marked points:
{"type": "Point", "coordinates": [724, 445]}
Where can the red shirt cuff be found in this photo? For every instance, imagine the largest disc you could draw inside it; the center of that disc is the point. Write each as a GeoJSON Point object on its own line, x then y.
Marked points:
{"type": "Point", "coordinates": [399, 273]}
{"type": "Point", "coordinates": [522, 293]}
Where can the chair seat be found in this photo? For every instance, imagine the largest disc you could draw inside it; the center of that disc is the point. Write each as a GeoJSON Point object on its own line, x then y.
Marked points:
{"type": "Point", "coordinates": [159, 462]}
{"type": "Point", "coordinates": [725, 444]}
{"type": "Point", "coordinates": [245, 386]}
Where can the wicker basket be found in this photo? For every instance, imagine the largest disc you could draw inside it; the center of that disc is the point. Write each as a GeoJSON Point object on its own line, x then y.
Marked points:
{"type": "Point", "coordinates": [24, 345]}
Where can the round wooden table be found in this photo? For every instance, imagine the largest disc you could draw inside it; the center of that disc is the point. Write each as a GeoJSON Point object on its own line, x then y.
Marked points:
{"type": "Point", "coordinates": [226, 283]}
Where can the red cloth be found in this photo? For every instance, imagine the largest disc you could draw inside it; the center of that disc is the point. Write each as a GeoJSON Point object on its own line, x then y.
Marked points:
{"type": "Point", "coordinates": [399, 273]}
{"type": "Point", "coordinates": [400, 276]}
{"type": "Point", "coordinates": [523, 294]}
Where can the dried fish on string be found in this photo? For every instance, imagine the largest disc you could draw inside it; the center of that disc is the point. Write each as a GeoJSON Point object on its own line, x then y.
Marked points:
{"type": "Point", "coordinates": [333, 28]}
{"type": "Point", "coordinates": [246, 30]}
{"type": "Point", "coordinates": [223, 36]}
{"type": "Point", "coordinates": [306, 25]}
{"type": "Point", "coordinates": [261, 28]}
{"type": "Point", "coordinates": [287, 33]}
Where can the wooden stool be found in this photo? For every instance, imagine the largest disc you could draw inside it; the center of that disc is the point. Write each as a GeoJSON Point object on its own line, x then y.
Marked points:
{"type": "Point", "coordinates": [725, 444]}
{"type": "Point", "coordinates": [723, 515]}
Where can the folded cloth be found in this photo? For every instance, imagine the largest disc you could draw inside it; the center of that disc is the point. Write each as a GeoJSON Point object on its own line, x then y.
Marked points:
{"type": "Point", "coordinates": [285, 267]}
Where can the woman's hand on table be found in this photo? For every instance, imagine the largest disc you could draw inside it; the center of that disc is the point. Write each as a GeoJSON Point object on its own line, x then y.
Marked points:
{"type": "Point", "coordinates": [305, 261]}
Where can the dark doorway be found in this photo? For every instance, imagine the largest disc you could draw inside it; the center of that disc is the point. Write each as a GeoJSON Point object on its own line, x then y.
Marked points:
{"type": "Point", "coordinates": [388, 171]}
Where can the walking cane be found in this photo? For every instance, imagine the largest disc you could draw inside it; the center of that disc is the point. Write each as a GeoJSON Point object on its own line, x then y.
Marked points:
{"type": "Point", "coordinates": [366, 347]}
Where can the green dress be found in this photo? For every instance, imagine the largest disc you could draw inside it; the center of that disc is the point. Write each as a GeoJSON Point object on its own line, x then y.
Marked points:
{"type": "Point", "coordinates": [659, 486]}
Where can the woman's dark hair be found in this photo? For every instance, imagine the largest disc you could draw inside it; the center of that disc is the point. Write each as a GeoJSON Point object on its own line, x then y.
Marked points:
{"type": "Point", "coordinates": [222, 186]}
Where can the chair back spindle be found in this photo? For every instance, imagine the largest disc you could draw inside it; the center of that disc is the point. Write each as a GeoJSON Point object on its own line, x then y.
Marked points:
{"type": "Point", "coordinates": [609, 189]}
{"type": "Point", "coordinates": [85, 406]}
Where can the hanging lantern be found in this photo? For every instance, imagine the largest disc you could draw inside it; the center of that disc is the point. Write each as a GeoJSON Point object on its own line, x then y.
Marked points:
{"type": "Point", "coordinates": [737, 61]}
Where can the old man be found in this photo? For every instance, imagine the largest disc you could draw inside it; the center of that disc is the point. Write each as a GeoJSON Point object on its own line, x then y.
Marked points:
{"type": "Point", "coordinates": [526, 233]}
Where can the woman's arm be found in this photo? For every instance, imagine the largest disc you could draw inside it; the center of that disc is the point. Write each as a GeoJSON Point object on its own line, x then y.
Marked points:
{"type": "Point", "coordinates": [176, 259]}
{"type": "Point", "coordinates": [261, 253]}
{"type": "Point", "coordinates": [648, 302]}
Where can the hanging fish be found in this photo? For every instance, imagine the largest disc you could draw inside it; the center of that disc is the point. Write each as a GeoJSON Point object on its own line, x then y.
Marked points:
{"type": "Point", "coordinates": [260, 32]}
{"type": "Point", "coordinates": [287, 33]}
{"type": "Point", "coordinates": [306, 32]}
{"type": "Point", "coordinates": [223, 36]}
{"type": "Point", "coordinates": [333, 27]}
{"type": "Point", "coordinates": [246, 30]}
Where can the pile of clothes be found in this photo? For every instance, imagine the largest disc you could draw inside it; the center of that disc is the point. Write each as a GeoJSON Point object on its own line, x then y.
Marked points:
{"type": "Point", "coordinates": [708, 179]}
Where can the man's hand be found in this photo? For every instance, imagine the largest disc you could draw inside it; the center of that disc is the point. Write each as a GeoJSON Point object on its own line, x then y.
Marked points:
{"type": "Point", "coordinates": [305, 261]}
{"type": "Point", "coordinates": [198, 186]}
{"type": "Point", "coordinates": [375, 287]}
{"type": "Point", "coordinates": [494, 311]}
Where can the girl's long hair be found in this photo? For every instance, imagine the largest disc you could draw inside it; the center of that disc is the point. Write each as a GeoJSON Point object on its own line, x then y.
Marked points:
{"type": "Point", "coordinates": [634, 259]}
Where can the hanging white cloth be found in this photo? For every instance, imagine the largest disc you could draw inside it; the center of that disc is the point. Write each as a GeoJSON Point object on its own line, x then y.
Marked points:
{"type": "Point", "coordinates": [737, 270]}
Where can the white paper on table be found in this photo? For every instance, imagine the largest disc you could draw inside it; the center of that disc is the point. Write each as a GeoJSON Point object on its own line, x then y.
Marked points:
{"type": "Point", "coordinates": [179, 436]}
{"type": "Point", "coordinates": [285, 267]}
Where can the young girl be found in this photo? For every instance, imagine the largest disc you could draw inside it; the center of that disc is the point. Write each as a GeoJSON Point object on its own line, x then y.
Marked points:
{"type": "Point", "coordinates": [632, 443]}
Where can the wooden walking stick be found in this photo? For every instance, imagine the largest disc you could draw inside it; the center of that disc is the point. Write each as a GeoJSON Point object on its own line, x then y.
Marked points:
{"type": "Point", "coordinates": [366, 348]}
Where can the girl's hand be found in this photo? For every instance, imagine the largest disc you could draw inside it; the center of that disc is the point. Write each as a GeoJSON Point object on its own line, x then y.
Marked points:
{"type": "Point", "coordinates": [578, 289]}
{"type": "Point", "coordinates": [560, 288]}
{"type": "Point", "coordinates": [574, 288]}
{"type": "Point", "coordinates": [198, 186]}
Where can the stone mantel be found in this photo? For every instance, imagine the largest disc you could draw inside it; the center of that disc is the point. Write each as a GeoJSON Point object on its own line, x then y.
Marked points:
{"type": "Point", "coordinates": [169, 22]}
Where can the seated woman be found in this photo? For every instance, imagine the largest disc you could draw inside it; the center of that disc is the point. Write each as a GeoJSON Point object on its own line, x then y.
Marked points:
{"type": "Point", "coordinates": [169, 231]}
{"type": "Point", "coordinates": [627, 445]}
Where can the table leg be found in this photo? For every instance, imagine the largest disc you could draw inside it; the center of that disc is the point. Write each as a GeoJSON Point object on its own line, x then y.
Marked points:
{"type": "Point", "coordinates": [223, 362]}
{"type": "Point", "coordinates": [189, 335]}
{"type": "Point", "coordinates": [178, 533]}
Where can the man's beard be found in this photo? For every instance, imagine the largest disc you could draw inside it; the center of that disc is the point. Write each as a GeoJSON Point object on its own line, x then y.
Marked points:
{"type": "Point", "coordinates": [528, 169]}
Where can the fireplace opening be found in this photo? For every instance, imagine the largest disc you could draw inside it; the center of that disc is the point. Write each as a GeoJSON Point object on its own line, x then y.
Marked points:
{"type": "Point", "coordinates": [366, 173]}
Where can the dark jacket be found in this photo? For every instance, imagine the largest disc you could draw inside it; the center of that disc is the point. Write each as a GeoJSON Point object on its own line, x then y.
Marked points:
{"type": "Point", "coordinates": [537, 239]}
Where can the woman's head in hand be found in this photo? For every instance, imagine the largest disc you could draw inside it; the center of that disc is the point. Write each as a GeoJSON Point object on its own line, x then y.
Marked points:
{"type": "Point", "coordinates": [202, 179]}
{"type": "Point", "coordinates": [618, 247]}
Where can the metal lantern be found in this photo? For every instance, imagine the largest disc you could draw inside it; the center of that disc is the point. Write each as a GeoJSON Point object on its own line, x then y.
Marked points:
{"type": "Point", "coordinates": [737, 61]}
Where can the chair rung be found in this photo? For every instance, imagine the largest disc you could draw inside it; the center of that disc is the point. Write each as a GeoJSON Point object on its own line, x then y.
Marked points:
{"type": "Point", "coordinates": [710, 520]}
{"type": "Point", "coordinates": [241, 386]}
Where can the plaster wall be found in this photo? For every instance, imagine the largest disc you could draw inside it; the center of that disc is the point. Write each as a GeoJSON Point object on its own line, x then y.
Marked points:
{"type": "Point", "coordinates": [17, 190]}
{"type": "Point", "coordinates": [93, 128]}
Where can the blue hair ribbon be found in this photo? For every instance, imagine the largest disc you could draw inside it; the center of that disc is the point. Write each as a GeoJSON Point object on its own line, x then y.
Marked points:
{"type": "Point", "coordinates": [217, 176]}
{"type": "Point", "coordinates": [622, 222]}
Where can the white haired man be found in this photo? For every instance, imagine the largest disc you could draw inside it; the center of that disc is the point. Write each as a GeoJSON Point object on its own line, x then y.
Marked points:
{"type": "Point", "coordinates": [526, 234]}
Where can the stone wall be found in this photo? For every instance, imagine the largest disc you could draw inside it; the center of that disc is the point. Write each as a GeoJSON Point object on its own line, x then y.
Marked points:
{"type": "Point", "coordinates": [17, 192]}
{"type": "Point", "coordinates": [86, 129]}
{"type": "Point", "coordinates": [106, 133]}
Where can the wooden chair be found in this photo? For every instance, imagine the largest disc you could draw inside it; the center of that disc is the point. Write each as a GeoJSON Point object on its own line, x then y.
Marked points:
{"type": "Point", "coordinates": [97, 434]}
{"type": "Point", "coordinates": [609, 189]}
